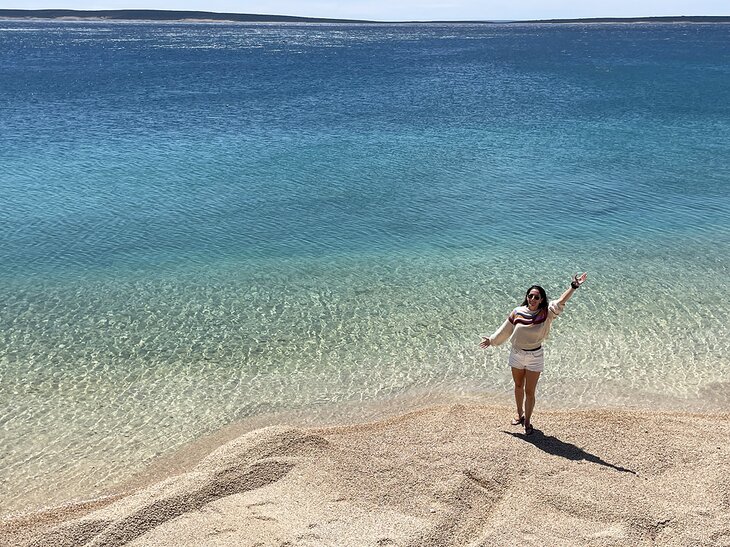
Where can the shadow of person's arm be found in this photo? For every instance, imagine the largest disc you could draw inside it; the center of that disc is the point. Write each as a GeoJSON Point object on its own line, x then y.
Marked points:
{"type": "Point", "coordinates": [556, 447]}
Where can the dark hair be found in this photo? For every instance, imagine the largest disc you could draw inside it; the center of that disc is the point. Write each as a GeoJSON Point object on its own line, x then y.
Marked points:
{"type": "Point", "coordinates": [543, 297]}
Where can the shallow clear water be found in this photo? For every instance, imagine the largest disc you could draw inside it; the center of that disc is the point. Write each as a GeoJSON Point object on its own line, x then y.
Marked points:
{"type": "Point", "coordinates": [204, 223]}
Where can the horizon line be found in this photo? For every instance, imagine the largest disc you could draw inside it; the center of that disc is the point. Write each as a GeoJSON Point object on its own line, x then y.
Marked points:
{"type": "Point", "coordinates": [183, 15]}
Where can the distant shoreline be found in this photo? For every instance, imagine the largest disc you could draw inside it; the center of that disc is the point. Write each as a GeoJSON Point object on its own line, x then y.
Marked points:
{"type": "Point", "coordinates": [214, 17]}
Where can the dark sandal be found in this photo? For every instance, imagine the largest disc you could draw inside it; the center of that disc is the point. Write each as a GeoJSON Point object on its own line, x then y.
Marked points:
{"type": "Point", "coordinates": [518, 421]}
{"type": "Point", "coordinates": [529, 430]}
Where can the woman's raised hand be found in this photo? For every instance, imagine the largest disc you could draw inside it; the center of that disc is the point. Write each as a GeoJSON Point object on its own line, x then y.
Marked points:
{"type": "Point", "coordinates": [486, 342]}
{"type": "Point", "coordinates": [580, 278]}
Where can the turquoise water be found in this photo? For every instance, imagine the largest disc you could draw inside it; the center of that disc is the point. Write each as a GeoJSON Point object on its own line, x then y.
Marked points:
{"type": "Point", "coordinates": [206, 223]}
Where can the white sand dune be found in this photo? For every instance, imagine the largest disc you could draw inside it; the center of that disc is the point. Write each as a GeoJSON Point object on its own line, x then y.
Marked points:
{"type": "Point", "coordinates": [450, 475]}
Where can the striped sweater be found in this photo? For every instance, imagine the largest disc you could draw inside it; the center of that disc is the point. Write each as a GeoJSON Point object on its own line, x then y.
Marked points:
{"type": "Point", "coordinates": [527, 329]}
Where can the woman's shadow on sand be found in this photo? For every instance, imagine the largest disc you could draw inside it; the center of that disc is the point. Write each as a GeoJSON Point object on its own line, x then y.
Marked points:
{"type": "Point", "coordinates": [553, 445]}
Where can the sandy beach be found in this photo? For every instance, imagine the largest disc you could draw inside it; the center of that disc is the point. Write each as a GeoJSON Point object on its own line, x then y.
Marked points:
{"type": "Point", "coordinates": [455, 474]}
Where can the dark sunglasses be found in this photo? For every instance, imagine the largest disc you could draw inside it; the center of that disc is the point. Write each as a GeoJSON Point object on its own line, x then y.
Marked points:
{"type": "Point", "coordinates": [534, 297]}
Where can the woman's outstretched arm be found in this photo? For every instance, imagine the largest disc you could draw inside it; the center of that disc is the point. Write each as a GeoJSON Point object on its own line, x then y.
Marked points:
{"type": "Point", "coordinates": [500, 336]}
{"type": "Point", "coordinates": [576, 282]}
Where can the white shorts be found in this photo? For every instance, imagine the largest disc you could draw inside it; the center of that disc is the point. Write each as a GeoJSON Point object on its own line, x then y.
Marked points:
{"type": "Point", "coordinates": [530, 360]}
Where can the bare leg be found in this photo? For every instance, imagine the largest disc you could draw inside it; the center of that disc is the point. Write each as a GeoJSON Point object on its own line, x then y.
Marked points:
{"type": "Point", "coordinates": [518, 375]}
{"type": "Point", "coordinates": [531, 379]}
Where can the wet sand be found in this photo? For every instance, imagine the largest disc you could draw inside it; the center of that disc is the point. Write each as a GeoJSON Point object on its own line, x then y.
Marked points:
{"type": "Point", "coordinates": [444, 475]}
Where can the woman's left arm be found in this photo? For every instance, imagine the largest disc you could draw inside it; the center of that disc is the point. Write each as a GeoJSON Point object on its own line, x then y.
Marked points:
{"type": "Point", "coordinates": [576, 282]}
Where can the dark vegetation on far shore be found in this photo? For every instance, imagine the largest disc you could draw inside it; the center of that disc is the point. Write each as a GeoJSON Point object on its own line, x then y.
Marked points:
{"type": "Point", "coordinates": [161, 15]}
{"type": "Point", "coordinates": [168, 15]}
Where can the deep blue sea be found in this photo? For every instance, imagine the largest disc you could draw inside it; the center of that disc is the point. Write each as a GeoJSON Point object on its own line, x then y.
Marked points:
{"type": "Point", "coordinates": [204, 223]}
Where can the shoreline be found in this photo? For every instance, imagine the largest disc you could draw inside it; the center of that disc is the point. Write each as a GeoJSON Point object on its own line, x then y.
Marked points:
{"type": "Point", "coordinates": [465, 418]}
{"type": "Point", "coordinates": [354, 413]}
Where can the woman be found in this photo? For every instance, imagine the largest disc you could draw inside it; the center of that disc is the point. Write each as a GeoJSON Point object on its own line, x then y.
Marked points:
{"type": "Point", "coordinates": [529, 325]}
